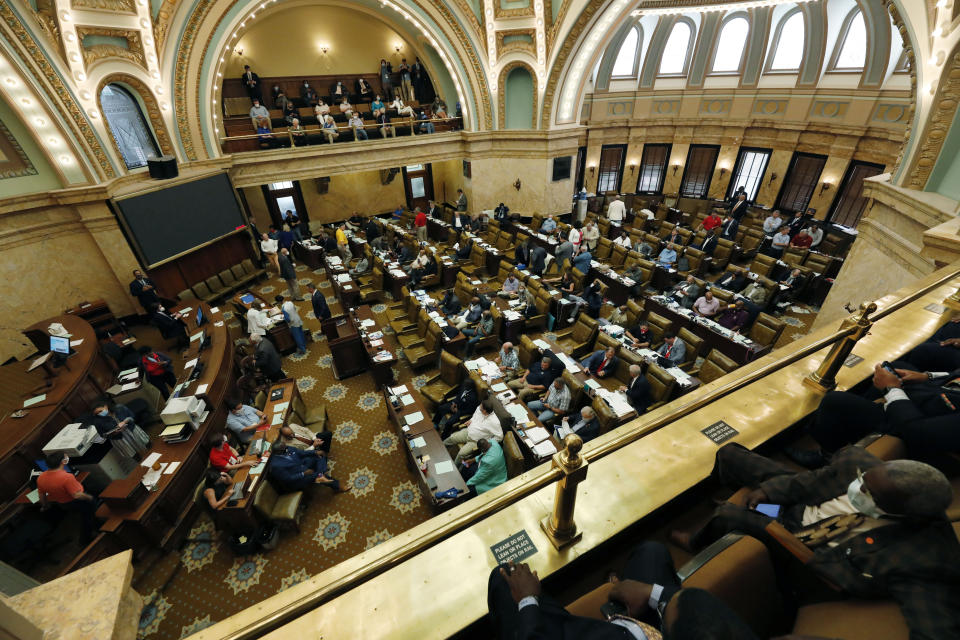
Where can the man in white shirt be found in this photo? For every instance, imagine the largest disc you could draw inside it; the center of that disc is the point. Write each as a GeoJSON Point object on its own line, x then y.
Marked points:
{"type": "Point", "coordinates": [292, 317]}
{"type": "Point", "coordinates": [484, 423]}
{"type": "Point", "coordinates": [616, 210]}
{"type": "Point", "coordinates": [816, 233]}
{"type": "Point", "coordinates": [257, 322]}
{"type": "Point", "coordinates": [270, 247]}
{"type": "Point", "coordinates": [258, 111]}
{"type": "Point", "coordinates": [773, 223]}
{"type": "Point", "coordinates": [624, 240]}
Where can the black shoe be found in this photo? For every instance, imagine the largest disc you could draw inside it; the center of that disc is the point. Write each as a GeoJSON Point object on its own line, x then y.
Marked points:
{"type": "Point", "coordinates": [809, 458]}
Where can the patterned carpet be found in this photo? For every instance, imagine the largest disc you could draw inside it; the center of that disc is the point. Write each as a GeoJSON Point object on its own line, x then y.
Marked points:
{"type": "Point", "coordinates": [205, 583]}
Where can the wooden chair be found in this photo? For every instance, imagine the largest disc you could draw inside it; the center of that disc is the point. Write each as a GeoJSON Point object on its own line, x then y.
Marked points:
{"type": "Point", "coordinates": [439, 388]}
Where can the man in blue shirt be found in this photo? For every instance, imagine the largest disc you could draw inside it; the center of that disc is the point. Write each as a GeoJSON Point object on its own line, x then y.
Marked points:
{"type": "Point", "coordinates": [548, 225]}
{"type": "Point", "coordinates": [243, 420]}
{"type": "Point", "coordinates": [536, 380]}
{"type": "Point", "coordinates": [668, 257]}
{"type": "Point", "coordinates": [581, 262]}
{"type": "Point", "coordinates": [295, 469]}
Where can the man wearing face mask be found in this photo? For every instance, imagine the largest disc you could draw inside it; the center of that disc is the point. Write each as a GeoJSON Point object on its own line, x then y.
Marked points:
{"type": "Point", "coordinates": [894, 542]}
{"type": "Point", "coordinates": [57, 486]}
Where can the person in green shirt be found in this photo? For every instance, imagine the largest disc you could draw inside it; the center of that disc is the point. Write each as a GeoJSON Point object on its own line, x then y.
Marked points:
{"type": "Point", "coordinates": [491, 467]}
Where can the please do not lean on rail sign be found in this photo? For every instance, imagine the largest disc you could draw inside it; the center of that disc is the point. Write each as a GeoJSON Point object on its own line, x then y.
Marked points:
{"type": "Point", "coordinates": [517, 547]}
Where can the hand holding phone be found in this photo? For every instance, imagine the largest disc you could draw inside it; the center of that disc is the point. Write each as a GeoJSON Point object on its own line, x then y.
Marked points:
{"type": "Point", "coordinates": [768, 509]}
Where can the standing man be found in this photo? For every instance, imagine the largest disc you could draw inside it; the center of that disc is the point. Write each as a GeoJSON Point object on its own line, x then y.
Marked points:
{"type": "Point", "coordinates": [739, 208]}
{"type": "Point", "coordinates": [386, 82]}
{"type": "Point", "coordinates": [343, 244]}
{"type": "Point", "coordinates": [57, 485]}
{"type": "Point", "coordinates": [159, 370]}
{"type": "Point", "coordinates": [292, 317]}
{"type": "Point", "coordinates": [289, 274]}
{"type": "Point", "coordinates": [270, 247]}
{"type": "Point", "coordinates": [142, 289]}
{"type": "Point", "coordinates": [319, 301]}
{"type": "Point", "coordinates": [616, 210]}
{"type": "Point", "coordinates": [406, 84]}
{"type": "Point", "coordinates": [267, 359]}
{"type": "Point", "coordinates": [461, 200]}
{"type": "Point", "coordinates": [251, 83]}
{"type": "Point", "coordinates": [420, 222]}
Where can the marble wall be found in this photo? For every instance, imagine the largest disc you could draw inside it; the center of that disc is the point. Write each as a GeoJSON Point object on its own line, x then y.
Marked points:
{"type": "Point", "coordinates": [363, 192]}
{"type": "Point", "coordinates": [493, 181]}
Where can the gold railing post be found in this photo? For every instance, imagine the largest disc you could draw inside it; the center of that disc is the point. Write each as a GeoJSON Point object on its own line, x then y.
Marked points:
{"type": "Point", "coordinates": [825, 377]}
{"type": "Point", "coordinates": [559, 525]}
{"type": "Point", "coordinates": [953, 301]}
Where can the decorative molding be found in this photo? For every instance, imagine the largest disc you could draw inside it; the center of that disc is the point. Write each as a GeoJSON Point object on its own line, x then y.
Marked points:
{"type": "Point", "coordinates": [768, 108]}
{"type": "Point", "coordinates": [569, 42]}
{"type": "Point", "coordinates": [149, 101]}
{"type": "Point", "coordinates": [520, 46]}
{"type": "Point", "coordinates": [665, 107]}
{"type": "Point", "coordinates": [901, 26]}
{"type": "Point", "coordinates": [184, 51]}
{"type": "Point", "coordinates": [46, 16]}
{"type": "Point", "coordinates": [828, 109]}
{"type": "Point", "coordinates": [715, 107]}
{"type": "Point", "coordinates": [499, 13]}
{"type": "Point", "coordinates": [96, 53]}
{"type": "Point", "coordinates": [14, 163]}
{"type": "Point", "coordinates": [501, 94]}
{"type": "Point", "coordinates": [113, 6]}
{"type": "Point", "coordinates": [161, 24]}
{"type": "Point", "coordinates": [45, 75]}
{"type": "Point", "coordinates": [938, 123]}
{"type": "Point", "coordinates": [620, 108]}
{"type": "Point", "coordinates": [890, 113]}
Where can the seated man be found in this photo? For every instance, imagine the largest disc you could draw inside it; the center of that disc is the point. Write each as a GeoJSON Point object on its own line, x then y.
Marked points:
{"type": "Point", "coordinates": [59, 487]}
{"type": "Point", "coordinates": [668, 257]}
{"type": "Point", "coordinates": [919, 408]}
{"type": "Point", "coordinates": [638, 390]}
{"type": "Point", "coordinates": [489, 469]}
{"type": "Point", "coordinates": [450, 304]}
{"type": "Point", "coordinates": [939, 352]}
{"type": "Point", "coordinates": [223, 457]}
{"type": "Point", "coordinates": [462, 405]}
{"type": "Point", "coordinates": [171, 325]}
{"type": "Point", "coordinates": [802, 240]}
{"type": "Point", "coordinates": [788, 288]}
{"type": "Point", "coordinates": [640, 336]}
{"type": "Point", "coordinates": [483, 329]}
{"type": "Point", "coordinates": [732, 281]}
{"type": "Point", "coordinates": [508, 361]}
{"type": "Point", "coordinates": [554, 403]}
{"type": "Point", "coordinates": [780, 241]}
{"type": "Point", "coordinates": [897, 544]}
{"type": "Point", "coordinates": [581, 261]}
{"type": "Point", "coordinates": [706, 305]}
{"type": "Point", "coordinates": [536, 380]}
{"type": "Point", "coordinates": [463, 251]}
{"type": "Point", "coordinates": [363, 266]}
{"type": "Point", "coordinates": [471, 316]}
{"type": "Point", "coordinates": [298, 437]}
{"type": "Point", "coordinates": [602, 362]}
{"type": "Point", "coordinates": [267, 358]}
{"type": "Point", "coordinates": [587, 427]}
{"type": "Point", "coordinates": [294, 470]}
{"type": "Point", "coordinates": [686, 292]}
{"type": "Point", "coordinates": [356, 122]}
{"type": "Point", "coordinates": [616, 317]}
{"type": "Point", "coordinates": [511, 287]}
{"type": "Point", "coordinates": [673, 349]}
{"type": "Point", "coordinates": [549, 225]}
{"type": "Point", "coordinates": [484, 423]}
{"type": "Point", "coordinates": [734, 317]}
{"type": "Point", "coordinates": [243, 420]}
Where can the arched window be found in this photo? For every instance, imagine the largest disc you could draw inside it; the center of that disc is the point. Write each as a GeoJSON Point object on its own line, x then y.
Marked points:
{"type": "Point", "coordinates": [676, 53]}
{"type": "Point", "coordinates": [730, 45]}
{"type": "Point", "coordinates": [788, 45]}
{"type": "Point", "coordinates": [625, 66]}
{"type": "Point", "coordinates": [128, 126]}
{"type": "Point", "coordinates": [852, 44]}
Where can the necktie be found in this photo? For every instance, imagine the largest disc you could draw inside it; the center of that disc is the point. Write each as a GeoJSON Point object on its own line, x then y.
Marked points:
{"type": "Point", "coordinates": [669, 349]}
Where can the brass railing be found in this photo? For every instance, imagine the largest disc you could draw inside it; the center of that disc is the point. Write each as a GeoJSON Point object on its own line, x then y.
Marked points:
{"type": "Point", "coordinates": [537, 478]}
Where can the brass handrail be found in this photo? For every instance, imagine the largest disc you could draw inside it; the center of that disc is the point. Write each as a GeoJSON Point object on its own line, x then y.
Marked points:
{"type": "Point", "coordinates": [539, 477]}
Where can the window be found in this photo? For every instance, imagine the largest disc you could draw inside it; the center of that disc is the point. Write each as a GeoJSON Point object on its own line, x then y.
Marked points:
{"type": "Point", "coordinates": [849, 204]}
{"type": "Point", "coordinates": [673, 61]}
{"type": "Point", "coordinates": [653, 167]}
{"type": "Point", "coordinates": [611, 168]}
{"type": "Point", "coordinates": [128, 126]}
{"type": "Point", "coordinates": [696, 177]}
{"type": "Point", "coordinates": [277, 186]}
{"type": "Point", "coordinates": [730, 46]}
{"type": "Point", "coordinates": [581, 168]}
{"type": "Point", "coordinates": [748, 171]}
{"type": "Point", "coordinates": [789, 43]}
{"type": "Point", "coordinates": [625, 66]}
{"type": "Point", "coordinates": [802, 178]}
{"type": "Point", "coordinates": [852, 44]}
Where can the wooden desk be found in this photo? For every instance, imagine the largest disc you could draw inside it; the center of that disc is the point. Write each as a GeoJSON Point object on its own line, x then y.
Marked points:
{"type": "Point", "coordinates": [432, 447]}
{"type": "Point", "coordinates": [348, 291]}
{"type": "Point", "coordinates": [510, 330]}
{"type": "Point", "coordinates": [311, 255]}
{"type": "Point", "coordinates": [162, 518]}
{"type": "Point", "coordinates": [279, 334]}
{"type": "Point", "coordinates": [382, 370]}
{"type": "Point", "coordinates": [99, 315]}
{"type": "Point", "coordinates": [346, 346]}
{"type": "Point", "coordinates": [242, 516]}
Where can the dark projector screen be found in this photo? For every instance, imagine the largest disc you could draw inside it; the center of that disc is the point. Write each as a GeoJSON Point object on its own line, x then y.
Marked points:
{"type": "Point", "coordinates": [179, 218]}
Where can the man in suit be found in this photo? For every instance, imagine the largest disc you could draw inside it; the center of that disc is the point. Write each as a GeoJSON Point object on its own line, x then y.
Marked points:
{"type": "Point", "coordinates": [728, 230]}
{"type": "Point", "coordinates": [293, 469]}
{"type": "Point", "coordinates": [709, 243]}
{"type": "Point", "coordinates": [308, 94]}
{"type": "Point", "coordinates": [587, 427]}
{"type": "Point", "coordinates": [461, 407]}
{"type": "Point", "coordinates": [419, 79]}
{"type": "Point", "coordinates": [289, 274]}
{"type": "Point", "coordinates": [251, 83]}
{"type": "Point", "coordinates": [434, 210]}
{"type": "Point", "coordinates": [319, 301]}
{"type": "Point", "coordinates": [461, 200]}
{"type": "Point", "coordinates": [739, 207]}
{"type": "Point", "coordinates": [537, 260]}
{"type": "Point", "coordinates": [521, 254]}
{"type": "Point", "coordinates": [143, 289]}
{"type": "Point", "coordinates": [466, 248]}
{"type": "Point", "coordinates": [732, 281]}
{"type": "Point", "coordinates": [939, 352]}
{"type": "Point", "coordinates": [450, 304]}
{"type": "Point", "coordinates": [372, 230]}
{"type": "Point", "coordinates": [171, 325]}
{"type": "Point", "coordinates": [899, 545]}
{"type": "Point", "coordinates": [267, 359]}
{"type": "Point", "coordinates": [794, 283]}
{"type": "Point", "coordinates": [673, 349]}
{"type": "Point", "coordinates": [919, 408]}
{"type": "Point", "coordinates": [686, 292]}
{"type": "Point", "coordinates": [638, 389]}
{"type": "Point", "coordinates": [648, 588]}
{"type": "Point", "coordinates": [602, 362]}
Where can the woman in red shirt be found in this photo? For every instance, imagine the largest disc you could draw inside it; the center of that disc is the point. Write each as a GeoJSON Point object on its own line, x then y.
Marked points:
{"type": "Point", "coordinates": [420, 222]}
{"type": "Point", "coordinates": [223, 457]}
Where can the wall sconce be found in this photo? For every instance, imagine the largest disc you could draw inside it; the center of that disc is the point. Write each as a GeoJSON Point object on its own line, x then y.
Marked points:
{"type": "Point", "coordinates": [633, 168]}
{"type": "Point", "coordinates": [723, 170]}
{"type": "Point", "coordinates": [516, 185]}
{"type": "Point", "coordinates": [675, 167]}
{"type": "Point", "coordinates": [824, 187]}
{"type": "Point", "coordinates": [773, 177]}
{"type": "Point", "coordinates": [397, 46]}
{"type": "Point", "coordinates": [324, 48]}
{"type": "Point", "coordinates": [592, 168]}
{"type": "Point", "coordinates": [238, 51]}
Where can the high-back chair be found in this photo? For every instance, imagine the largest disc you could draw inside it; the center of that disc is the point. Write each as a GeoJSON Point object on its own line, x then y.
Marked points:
{"type": "Point", "coordinates": [767, 329]}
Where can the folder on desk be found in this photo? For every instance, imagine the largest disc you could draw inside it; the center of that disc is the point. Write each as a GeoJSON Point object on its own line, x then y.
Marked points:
{"type": "Point", "coordinates": [414, 418]}
{"type": "Point", "coordinates": [280, 407]}
{"type": "Point", "coordinates": [277, 419]}
{"type": "Point", "coordinates": [407, 400]}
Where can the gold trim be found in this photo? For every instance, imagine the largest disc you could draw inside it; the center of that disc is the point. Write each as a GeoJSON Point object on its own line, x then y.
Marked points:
{"type": "Point", "coordinates": [499, 13]}
{"type": "Point", "coordinates": [569, 42]}
{"type": "Point", "coordinates": [523, 47]}
{"type": "Point", "coordinates": [113, 6]}
{"type": "Point", "coordinates": [100, 52]}
{"type": "Point", "coordinates": [501, 94]}
{"type": "Point", "coordinates": [153, 110]}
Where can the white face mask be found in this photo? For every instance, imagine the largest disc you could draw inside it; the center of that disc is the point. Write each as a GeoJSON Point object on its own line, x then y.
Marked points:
{"type": "Point", "coordinates": [863, 502]}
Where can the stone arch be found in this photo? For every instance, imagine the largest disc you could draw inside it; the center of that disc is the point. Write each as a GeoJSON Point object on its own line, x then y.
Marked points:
{"type": "Point", "coordinates": [141, 90]}
{"type": "Point", "coordinates": [501, 82]}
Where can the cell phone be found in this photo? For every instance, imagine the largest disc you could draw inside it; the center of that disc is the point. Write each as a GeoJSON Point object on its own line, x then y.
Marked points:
{"type": "Point", "coordinates": [767, 509]}
{"type": "Point", "coordinates": [889, 367]}
{"type": "Point", "coordinates": [613, 608]}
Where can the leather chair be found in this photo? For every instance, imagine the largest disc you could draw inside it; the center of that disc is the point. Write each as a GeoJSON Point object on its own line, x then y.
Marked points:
{"type": "Point", "coordinates": [539, 321]}
{"type": "Point", "coordinates": [203, 292]}
{"type": "Point", "coordinates": [722, 255]}
{"type": "Point", "coordinates": [242, 277]}
{"type": "Point", "coordinates": [817, 262]}
{"type": "Point", "coordinates": [444, 383]}
{"type": "Point", "coordinates": [409, 318]}
{"type": "Point", "coordinates": [658, 326]}
{"type": "Point", "coordinates": [794, 256]}
{"type": "Point", "coordinates": [763, 265]}
{"type": "Point", "coordinates": [416, 334]}
{"type": "Point", "coordinates": [492, 340]}
{"type": "Point", "coordinates": [578, 392]}
{"type": "Point", "coordinates": [229, 281]}
{"type": "Point", "coordinates": [401, 308]}
{"type": "Point", "coordinates": [578, 339]}
{"type": "Point", "coordinates": [604, 247]}
{"type": "Point", "coordinates": [426, 352]}
{"type": "Point", "coordinates": [696, 262]}
{"type": "Point", "coordinates": [477, 262]}
{"type": "Point", "coordinates": [751, 241]}
{"type": "Point", "coordinates": [280, 508]}
{"type": "Point", "coordinates": [527, 352]}
{"type": "Point", "coordinates": [618, 255]}
{"type": "Point", "coordinates": [505, 243]}
{"type": "Point", "coordinates": [216, 287]}
{"type": "Point", "coordinates": [634, 312]}
{"type": "Point", "coordinates": [603, 224]}
{"type": "Point", "coordinates": [512, 455]}
{"type": "Point", "coordinates": [314, 419]}
{"type": "Point", "coordinates": [536, 221]}
{"type": "Point", "coordinates": [661, 386]}
{"type": "Point", "coordinates": [186, 294]}
{"type": "Point", "coordinates": [694, 344]}
{"type": "Point", "coordinates": [251, 270]}
{"type": "Point", "coordinates": [766, 329]}
{"type": "Point", "coordinates": [374, 291]}
{"type": "Point", "coordinates": [578, 277]}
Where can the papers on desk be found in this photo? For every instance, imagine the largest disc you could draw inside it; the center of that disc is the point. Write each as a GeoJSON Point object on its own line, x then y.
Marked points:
{"type": "Point", "coordinates": [150, 459]}
{"type": "Point", "coordinates": [76, 343]}
{"type": "Point", "coordinates": [34, 400]}
{"type": "Point", "coordinates": [257, 470]}
{"type": "Point", "coordinates": [537, 434]}
{"type": "Point", "coordinates": [592, 384]}
{"type": "Point", "coordinates": [127, 372]}
{"type": "Point", "coordinates": [347, 287]}
{"type": "Point", "coordinates": [185, 310]}
{"type": "Point", "coordinates": [497, 388]}
{"type": "Point", "coordinates": [541, 344]}
{"type": "Point", "coordinates": [171, 468]}
{"type": "Point", "coordinates": [277, 419]}
{"type": "Point", "coordinates": [518, 412]}
{"type": "Point", "coordinates": [397, 273]}
{"type": "Point", "coordinates": [407, 400]}
{"type": "Point", "coordinates": [681, 376]}
{"type": "Point", "coordinates": [413, 418]}
{"type": "Point", "coordinates": [196, 336]}
{"type": "Point", "coordinates": [218, 323]}
{"type": "Point", "coordinates": [544, 449]}
{"type": "Point", "coordinates": [512, 315]}
{"type": "Point", "coordinates": [383, 356]}
{"type": "Point", "coordinates": [342, 277]}
{"type": "Point", "coordinates": [617, 401]}
{"type": "Point", "coordinates": [202, 389]}
{"type": "Point", "coordinates": [444, 466]}
{"type": "Point", "coordinates": [130, 386]}
{"type": "Point", "coordinates": [368, 323]}
{"type": "Point", "coordinates": [571, 365]}
{"type": "Point", "coordinates": [34, 496]}
{"type": "Point", "coordinates": [376, 343]}
{"type": "Point", "coordinates": [152, 476]}
{"type": "Point", "coordinates": [614, 330]}
{"type": "Point", "coordinates": [399, 390]}
{"type": "Point", "coordinates": [376, 335]}
{"type": "Point", "coordinates": [190, 364]}
{"type": "Point", "coordinates": [418, 442]}
{"type": "Point", "coordinates": [214, 309]}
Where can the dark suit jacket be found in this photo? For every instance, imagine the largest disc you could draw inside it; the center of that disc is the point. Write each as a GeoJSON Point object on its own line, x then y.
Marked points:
{"type": "Point", "coordinates": [287, 272]}
{"type": "Point", "coordinates": [450, 305]}
{"type": "Point", "coordinates": [464, 251]}
{"type": "Point", "coordinates": [638, 393]}
{"type": "Point", "coordinates": [167, 324]}
{"type": "Point", "coordinates": [709, 245]}
{"type": "Point", "coordinates": [738, 210]}
{"type": "Point", "coordinates": [537, 257]}
{"type": "Point", "coordinates": [550, 621]}
{"type": "Point", "coordinates": [594, 361]}
{"type": "Point", "coordinates": [467, 401]}
{"type": "Point", "coordinates": [372, 231]}
{"type": "Point", "coordinates": [255, 89]}
{"type": "Point", "coordinates": [728, 229]}
{"type": "Point", "coordinates": [286, 471]}
{"type": "Point", "coordinates": [146, 298]}
{"type": "Point", "coordinates": [266, 357]}
{"type": "Point", "coordinates": [521, 255]}
{"type": "Point", "coordinates": [320, 308]}
{"type": "Point", "coordinates": [738, 283]}
{"type": "Point", "coordinates": [925, 407]}
{"type": "Point", "coordinates": [589, 430]}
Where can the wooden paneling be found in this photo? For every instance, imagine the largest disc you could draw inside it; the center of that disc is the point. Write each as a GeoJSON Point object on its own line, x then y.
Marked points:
{"type": "Point", "coordinates": [200, 264]}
